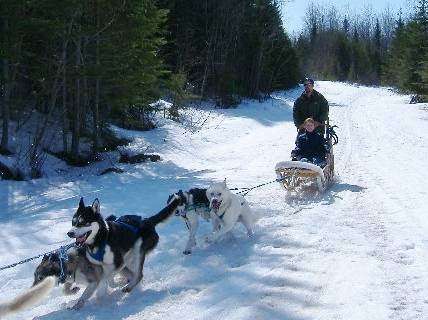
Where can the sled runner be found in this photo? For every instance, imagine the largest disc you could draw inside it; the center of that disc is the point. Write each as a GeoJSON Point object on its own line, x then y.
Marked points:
{"type": "Point", "coordinates": [297, 177]}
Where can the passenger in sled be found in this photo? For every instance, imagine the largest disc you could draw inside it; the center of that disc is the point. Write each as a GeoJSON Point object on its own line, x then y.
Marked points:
{"type": "Point", "coordinates": [311, 146]}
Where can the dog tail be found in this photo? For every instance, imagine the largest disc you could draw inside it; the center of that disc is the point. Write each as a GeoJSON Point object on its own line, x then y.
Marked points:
{"type": "Point", "coordinates": [167, 211]}
{"type": "Point", "coordinates": [28, 298]}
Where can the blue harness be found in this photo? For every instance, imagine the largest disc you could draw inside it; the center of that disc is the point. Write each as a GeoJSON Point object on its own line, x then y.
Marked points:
{"type": "Point", "coordinates": [99, 254]}
{"type": "Point", "coordinates": [132, 228]}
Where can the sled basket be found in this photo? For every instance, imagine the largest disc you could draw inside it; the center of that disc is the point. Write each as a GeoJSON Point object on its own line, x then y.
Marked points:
{"type": "Point", "coordinates": [296, 176]}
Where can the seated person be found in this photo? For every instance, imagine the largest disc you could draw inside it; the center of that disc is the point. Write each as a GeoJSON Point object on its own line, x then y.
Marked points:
{"type": "Point", "coordinates": [310, 145]}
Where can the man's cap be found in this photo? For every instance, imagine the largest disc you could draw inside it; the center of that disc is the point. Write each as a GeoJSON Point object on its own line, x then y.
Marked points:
{"type": "Point", "coordinates": [308, 80]}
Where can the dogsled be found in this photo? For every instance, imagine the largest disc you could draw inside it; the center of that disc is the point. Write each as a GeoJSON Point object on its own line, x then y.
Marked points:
{"type": "Point", "coordinates": [299, 177]}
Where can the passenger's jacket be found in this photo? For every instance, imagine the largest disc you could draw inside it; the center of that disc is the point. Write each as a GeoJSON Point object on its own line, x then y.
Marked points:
{"type": "Point", "coordinates": [315, 107]}
{"type": "Point", "coordinates": [310, 145]}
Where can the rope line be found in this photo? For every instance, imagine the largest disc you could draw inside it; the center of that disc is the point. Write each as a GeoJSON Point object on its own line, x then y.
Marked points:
{"type": "Point", "coordinates": [61, 249]}
{"type": "Point", "coordinates": [247, 190]}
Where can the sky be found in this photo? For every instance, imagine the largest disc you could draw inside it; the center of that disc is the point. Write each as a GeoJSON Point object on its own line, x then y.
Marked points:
{"type": "Point", "coordinates": [293, 11]}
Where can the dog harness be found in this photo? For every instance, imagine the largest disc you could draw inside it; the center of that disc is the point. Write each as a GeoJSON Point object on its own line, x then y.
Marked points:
{"type": "Point", "coordinates": [125, 222]}
{"type": "Point", "coordinates": [133, 229]}
{"type": "Point", "coordinates": [190, 208]}
{"type": "Point", "coordinates": [222, 215]}
{"type": "Point", "coordinates": [187, 208]}
{"type": "Point", "coordinates": [99, 254]}
{"type": "Point", "coordinates": [63, 258]}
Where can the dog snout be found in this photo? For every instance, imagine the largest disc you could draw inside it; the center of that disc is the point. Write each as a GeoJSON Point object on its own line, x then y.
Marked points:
{"type": "Point", "coordinates": [71, 234]}
{"type": "Point", "coordinates": [214, 202]}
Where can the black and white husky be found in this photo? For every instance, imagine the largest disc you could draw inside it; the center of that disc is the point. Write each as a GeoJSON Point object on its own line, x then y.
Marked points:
{"type": "Point", "coordinates": [193, 204]}
{"type": "Point", "coordinates": [122, 243]}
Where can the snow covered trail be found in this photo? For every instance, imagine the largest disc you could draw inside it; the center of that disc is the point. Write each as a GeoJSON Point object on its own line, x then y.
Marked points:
{"type": "Point", "coordinates": [385, 149]}
{"type": "Point", "coordinates": [357, 252]}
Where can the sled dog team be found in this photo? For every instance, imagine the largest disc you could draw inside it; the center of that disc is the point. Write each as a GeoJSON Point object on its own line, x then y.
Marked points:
{"type": "Point", "coordinates": [113, 250]}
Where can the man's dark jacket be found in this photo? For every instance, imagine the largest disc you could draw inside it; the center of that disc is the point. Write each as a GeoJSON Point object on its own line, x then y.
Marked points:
{"type": "Point", "coordinates": [310, 145]}
{"type": "Point", "coordinates": [315, 107]}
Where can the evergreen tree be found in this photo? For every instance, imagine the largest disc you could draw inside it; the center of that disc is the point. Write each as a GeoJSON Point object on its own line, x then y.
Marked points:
{"type": "Point", "coordinates": [131, 69]}
{"type": "Point", "coordinates": [229, 49]}
{"type": "Point", "coordinates": [406, 66]}
{"type": "Point", "coordinates": [13, 28]}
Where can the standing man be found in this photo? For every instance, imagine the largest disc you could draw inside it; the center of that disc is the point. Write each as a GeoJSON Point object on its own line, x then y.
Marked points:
{"type": "Point", "coordinates": [311, 104]}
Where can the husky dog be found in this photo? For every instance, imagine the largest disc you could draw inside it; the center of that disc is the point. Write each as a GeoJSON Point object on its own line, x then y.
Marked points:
{"type": "Point", "coordinates": [118, 244]}
{"type": "Point", "coordinates": [227, 208]}
{"type": "Point", "coordinates": [28, 298]}
{"type": "Point", "coordinates": [193, 203]}
{"type": "Point", "coordinates": [75, 270]}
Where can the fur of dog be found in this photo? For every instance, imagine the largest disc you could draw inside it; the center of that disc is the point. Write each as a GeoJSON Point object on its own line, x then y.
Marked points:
{"type": "Point", "coordinates": [29, 298]}
{"type": "Point", "coordinates": [193, 204]}
{"type": "Point", "coordinates": [226, 209]}
{"type": "Point", "coordinates": [78, 270]}
{"type": "Point", "coordinates": [119, 244]}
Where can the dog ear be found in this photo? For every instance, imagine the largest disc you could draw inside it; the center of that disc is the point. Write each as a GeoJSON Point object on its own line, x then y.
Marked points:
{"type": "Point", "coordinates": [96, 206]}
{"type": "Point", "coordinates": [81, 203]}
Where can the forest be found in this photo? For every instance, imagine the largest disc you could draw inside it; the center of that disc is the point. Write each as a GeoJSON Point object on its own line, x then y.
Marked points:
{"type": "Point", "coordinates": [68, 71]}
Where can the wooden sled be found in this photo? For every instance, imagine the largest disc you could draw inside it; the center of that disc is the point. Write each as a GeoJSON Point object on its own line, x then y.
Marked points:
{"type": "Point", "coordinates": [299, 177]}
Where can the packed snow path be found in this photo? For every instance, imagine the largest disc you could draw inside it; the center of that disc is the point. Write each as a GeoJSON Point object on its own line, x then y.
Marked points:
{"type": "Point", "coordinates": [358, 252]}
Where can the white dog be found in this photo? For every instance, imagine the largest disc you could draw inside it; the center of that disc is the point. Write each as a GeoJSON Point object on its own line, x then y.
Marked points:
{"type": "Point", "coordinates": [226, 209]}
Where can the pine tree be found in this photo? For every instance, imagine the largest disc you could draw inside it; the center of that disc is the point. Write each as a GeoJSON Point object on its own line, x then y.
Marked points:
{"type": "Point", "coordinates": [377, 54]}
{"type": "Point", "coordinates": [229, 49]}
{"type": "Point", "coordinates": [13, 28]}
{"type": "Point", "coordinates": [422, 37]}
{"type": "Point", "coordinates": [406, 63]}
{"type": "Point", "coordinates": [132, 70]}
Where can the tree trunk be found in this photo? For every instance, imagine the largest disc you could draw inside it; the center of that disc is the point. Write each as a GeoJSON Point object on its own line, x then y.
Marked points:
{"type": "Point", "coordinates": [76, 116]}
{"type": "Point", "coordinates": [4, 147]}
{"type": "Point", "coordinates": [96, 110]}
{"type": "Point", "coordinates": [256, 88]}
{"type": "Point", "coordinates": [96, 137]}
{"type": "Point", "coordinates": [84, 89]}
{"type": "Point", "coordinates": [64, 99]}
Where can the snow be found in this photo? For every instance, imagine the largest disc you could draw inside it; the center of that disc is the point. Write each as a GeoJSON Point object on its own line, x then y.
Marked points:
{"type": "Point", "coordinates": [358, 252]}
